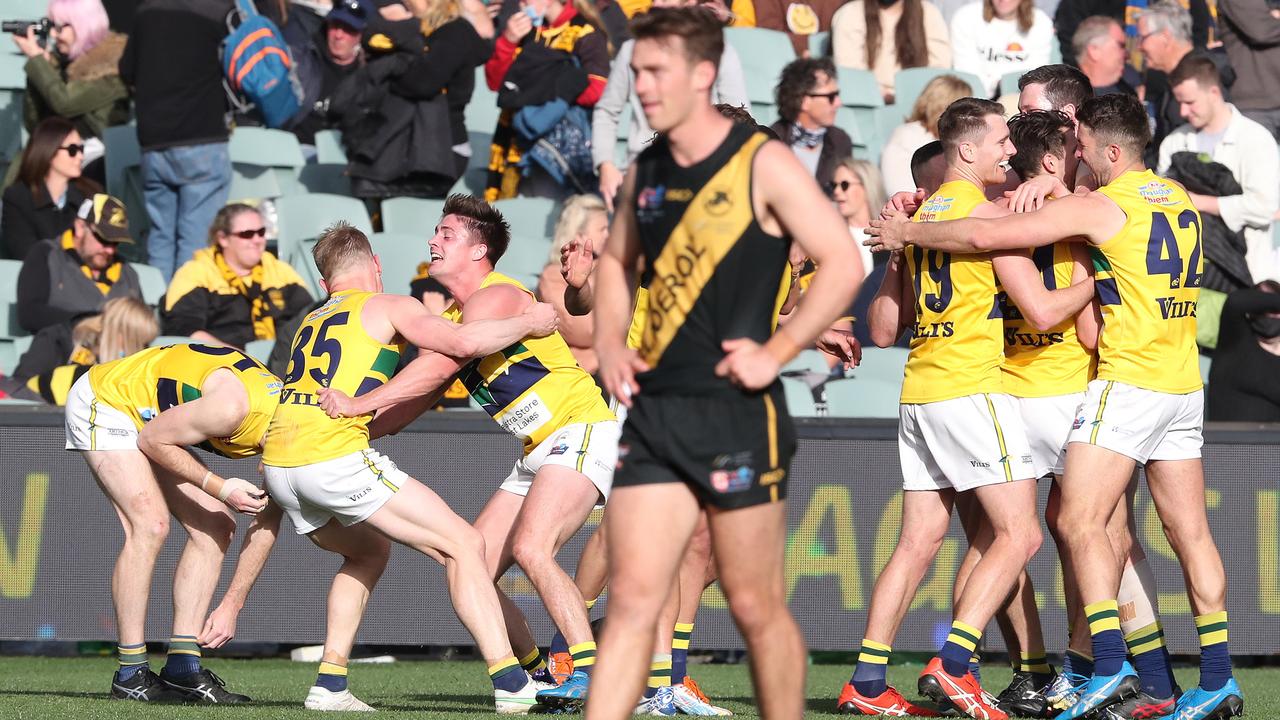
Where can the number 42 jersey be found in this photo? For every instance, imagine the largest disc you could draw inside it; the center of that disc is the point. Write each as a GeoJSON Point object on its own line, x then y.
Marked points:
{"type": "Point", "coordinates": [331, 350]}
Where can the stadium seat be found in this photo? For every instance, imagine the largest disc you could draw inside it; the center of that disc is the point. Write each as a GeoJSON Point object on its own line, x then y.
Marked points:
{"type": "Point", "coordinates": [820, 44]}
{"type": "Point", "coordinates": [328, 174]}
{"type": "Point", "coordinates": [259, 350]}
{"type": "Point", "coordinates": [809, 360]}
{"type": "Point", "coordinates": [152, 282]}
{"type": "Point", "coordinates": [859, 99]}
{"type": "Point", "coordinates": [530, 218]}
{"type": "Point", "coordinates": [303, 217]}
{"type": "Point", "coordinates": [909, 83]}
{"type": "Point", "coordinates": [882, 365]}
{"type": "Point", "coordinates": [329, 148]}
{"type": "Point", "coordinates": [1009, 83]}
{"type": "Point", "coordinates": [400, 255]}
{"type": "Point", "coordinates": [265, 163]}
{"type": "Point", "coordinates": [171, 340]}
{"type": "Point", "coordinates": [525, 259]}
{"type": "Point", "coordinates": [1205, 363]}
{"type": "Point", "coordinates": [411, 216]}
{"type": "Point", "coordinates": [122, 151]}
{"type": "Point", "coordinates": [862, 398]}
{"type": "Point", "coordinates": [9, 327]}
{"type": "Point", "coordinates": [13, 83]}
{"type": "Point", "coordinates": [763, 53]}
{"type": "Point", "coordinates": [799, 398]}
{"type": "Point", "coordinates": [481, 113]}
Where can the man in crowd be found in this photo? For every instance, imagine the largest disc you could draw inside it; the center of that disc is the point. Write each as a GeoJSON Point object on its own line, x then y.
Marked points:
{"type": "Point", "coordinates": [324, 62]}
{"type": "Point", "coordinates": [1100, 54]}
{"type": "Point", "coordinates": [1250, 33]}
{"type": "Point", "coordinates": [808, 96]}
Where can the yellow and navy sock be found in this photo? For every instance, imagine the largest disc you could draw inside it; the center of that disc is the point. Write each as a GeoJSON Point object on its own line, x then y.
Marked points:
{"type": "Point", "coordinates": [1215, 661]}
{"type": "Point", "coordinates": [958, 651]}
{"type": "Point", "coordinates": [184, 656]}
{"type": "Point", "coordinates": [659, 674]}
{"type": "Point", "coordinates": [873, 664]}
{"type": "Point", "coordinates": [508, 675]}
{"type": "Point", "coordinates": [584, 657]}
{"type": "Point", "coordinates": [132, 658]}
{"type": "Point", "coordinates": [680, 652]}
{"type": "Point", "coordinates": [1108, 644]}
{"type": "Point", "coordinates": [975, 667]}
{"type": "Point", "coordinates": [1036, 663]}
{"type": "Point", "coordinates": [533, 662]}
{"type": "Point", "coordinates": [332, 677]}
{"type": "Point", "coordinates": [558, 644]}
{"type": "Point", "coordinates": [1077, 663]}
{"type": "Point", "coordinates": [1150, 659]}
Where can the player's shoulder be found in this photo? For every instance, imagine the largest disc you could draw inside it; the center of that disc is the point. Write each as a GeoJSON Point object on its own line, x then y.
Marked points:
{"type": "Point", "coordinates": [496, 300]}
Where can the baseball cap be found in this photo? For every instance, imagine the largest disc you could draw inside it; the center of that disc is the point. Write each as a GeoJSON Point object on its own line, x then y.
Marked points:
{"type": "Point", "coordinates": [105, 216]}
{"type": "Point", "coordinates": [353, 13]}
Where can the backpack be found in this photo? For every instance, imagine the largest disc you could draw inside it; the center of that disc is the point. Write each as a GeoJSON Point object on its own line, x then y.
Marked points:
{"type": "Point", "coordinates": [257, 67]}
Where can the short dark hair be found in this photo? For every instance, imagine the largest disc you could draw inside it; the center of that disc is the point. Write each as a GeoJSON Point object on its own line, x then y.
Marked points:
{"type": "Point", "coordinates": [736, 113]}
{"type": "Point", "coordinates": [1117, 119]}
{"type": "Point", "coordinates": [797, 80]}
{"type": "Point", "coordinates": [965, 118]}
{"type": "Point", "coordinates": [922, 156]}
{"type": "Point", "coordinates": [1063, 84]}
{"type": "Point", "coordinates": [46, 140]}
{"type": "Point", "coordinates": [1198, 68]}
{"type": "Point", "coordinates": [697, 27]}
{"type": "Point", "coordinates": [339, 246]}
{"type": "Point", "coordinates": [1036, 134]}
{"type": "Point", "coordinates": [483, 221]}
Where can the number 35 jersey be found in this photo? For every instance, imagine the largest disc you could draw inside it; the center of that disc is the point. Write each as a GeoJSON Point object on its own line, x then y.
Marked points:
{"type": "Point", "coordinates": [957, 345]}
{"type": "Point", "coordinates": [333, 350]}
{"type": "Point", "coordinates": [1148, 282]}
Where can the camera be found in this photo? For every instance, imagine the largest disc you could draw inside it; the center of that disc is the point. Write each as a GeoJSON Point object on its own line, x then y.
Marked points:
{"type": "Point", "coordinates": [19, 27]}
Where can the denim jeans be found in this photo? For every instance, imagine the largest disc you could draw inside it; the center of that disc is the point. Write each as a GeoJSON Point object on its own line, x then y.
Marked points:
{"type": "Point", "coordinates": [184, 188]}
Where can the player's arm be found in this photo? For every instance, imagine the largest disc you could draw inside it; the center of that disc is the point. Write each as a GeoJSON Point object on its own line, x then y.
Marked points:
{"type": "Point", "coordinates": [421, 380]}
{"type": "Point", "coordinates": [411, 320]}
{"type": "Point", "coordinates": [1089, 319]}
{"type": "Point", "coordinates": [893, 309]}
{"type": "Point", "coordinates": [220, 627]}
{"type": "Point", "coordinates": [218, 412]}
{"type": "Point", "coordinates": [1045, 308]}
{"type": "Point", "coordinates": [615, 281]}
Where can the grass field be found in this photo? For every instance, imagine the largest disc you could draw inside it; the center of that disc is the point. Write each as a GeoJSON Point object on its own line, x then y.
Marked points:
{"type": "Point", "coordinates": [450, 690]}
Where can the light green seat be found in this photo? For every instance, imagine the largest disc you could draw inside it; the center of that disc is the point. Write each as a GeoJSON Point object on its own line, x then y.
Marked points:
{"type": "Point", "coordinates": [13, 83]}
{"type": "Point", "coordinates": [1205, 363]}
{"type": "Point", "coordinates": [820, 44]}
{"type": "Point", "coordinates": [304, 217]}
{"type": "Point", "coordinates": [260, 350]}
{"type": "Point", "coordinates": [329, 147]}
{"type": "Point", "coordinates": [909, 83]}
{"type": "Point", "coordinates": [799, 398]}
{"type": "Point", "coordinates": [529, 217]}
{"type": "Point", "coordinates": [763, 53]}
{"type": "Point", "coordinates": [881, 364]}
{"type": "Point", "coordinates": [152, 282]}
{"type": "Point", "coordinates": [1009, 82]}
{"type": "Point", "coordinates": [411, 216]}
{"type": "Point", "coordinates": [9, 327]}
{"type": "Point", "coordinates": [525, 259]}
{"type": "Point", "coordinates": [400, 255]}
{"type": "Point", "coordinates": [481, 113]}
{"type": "Point", "coordinates": [863, 398]}
{"type": "Point", "coordinates": [265, 163]}
{"type": "Point", "coordinates": [328, 174]}
{"type": "Point", "coordinates": [122, 152]}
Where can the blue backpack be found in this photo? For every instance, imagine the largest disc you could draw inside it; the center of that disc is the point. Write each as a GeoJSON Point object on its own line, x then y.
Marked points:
{"type": "Point", "coordinates": [257, 67]}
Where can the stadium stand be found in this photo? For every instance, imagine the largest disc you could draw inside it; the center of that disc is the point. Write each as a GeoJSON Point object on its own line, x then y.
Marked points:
{"type": "Point", "coordinates": [265, 164]}
{"type": "Point", "coordinates": [411, 216]}
{"type": "Point", "coordinates": [909, 83]}
{"type": "Point", "coordinates": [400, 255]}
{"type": "Point", "coordinates": [152, 282]}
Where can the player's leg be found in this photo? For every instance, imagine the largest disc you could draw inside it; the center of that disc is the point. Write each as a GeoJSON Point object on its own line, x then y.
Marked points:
{"type": "Point", "coordinates": [658, 698]}
{"type": "Point", "coordinates": [1077, 660]}
{"type": "Point", "coordinates": [697, 571]}
{"type": "Point", "coordinates": [979, 536]}
{"type": "Point", "coordinates": [495, 523]}
{"type": "Point", "coordinates": [590, 578]}
{"type": "Point", "coordinates": [643, 564]}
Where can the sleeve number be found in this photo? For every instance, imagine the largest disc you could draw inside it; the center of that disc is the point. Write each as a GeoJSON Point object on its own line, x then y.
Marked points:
{"type": "Point", "coordinates": [1163, 257]}
{"type": "Point", "coordinates": [323, 346]}
{"type": "Point", "coordinates": [244, 364]}
{"type": "Point", "coordinates": [937, 265]}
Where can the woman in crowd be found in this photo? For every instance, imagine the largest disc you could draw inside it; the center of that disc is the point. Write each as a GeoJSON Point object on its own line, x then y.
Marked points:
{"type": "Point", "coordinates": [991, 38]}
{"type": "Point", "coordinates": [42, 202]}
{"type": "Point", "coordinates": [78, 79]}
{"type": "Point", "coordinates": [920, 129]}
{"type": "Point", "coordinates": [856, 190]}
{"type": "Point", "coordinates": [1242, 379]}
{"type": "Point", "coordinates": [585, 221]}
{"type": "Point", "coordinates": [233, 292]}
{"type": "Point", "coordinates": [886, 37]}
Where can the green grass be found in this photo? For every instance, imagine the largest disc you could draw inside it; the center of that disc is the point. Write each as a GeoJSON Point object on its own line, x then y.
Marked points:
{"type": "Point", "coordinates": [76, 688]}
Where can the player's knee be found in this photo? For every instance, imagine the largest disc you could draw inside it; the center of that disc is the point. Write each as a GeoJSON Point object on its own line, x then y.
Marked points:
{"type": "Point", "coordinates": [530, 553]}
{"type": "Point", "coordinates": [1029, 539]}
{"type": "Point", "coordinates": [218, 531]}
{"type": "Point", "coordinates": [754, 607]}
{"type": "Point", "coordinates": [918, 545]}
{"type": "Point", "coordinates": [1185, 535]}
{"type": "Point", "coordinates": [149, 531]}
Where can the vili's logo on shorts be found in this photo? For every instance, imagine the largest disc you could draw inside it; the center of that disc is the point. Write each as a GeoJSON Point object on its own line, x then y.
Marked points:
{"type": "Point", "coordinates": [368, 489]}
{"type": "Point", "coordinates": [979, 464]}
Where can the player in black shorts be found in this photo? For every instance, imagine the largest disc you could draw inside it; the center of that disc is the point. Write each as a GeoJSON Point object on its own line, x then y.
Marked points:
{"type": "Point", "coordinates": [712, 207]}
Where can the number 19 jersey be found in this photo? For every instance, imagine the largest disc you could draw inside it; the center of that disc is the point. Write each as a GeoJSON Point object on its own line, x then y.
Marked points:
{"type": "Point", "coordinates": [333, 350]}
{"type": "Point", "coordinates": [1148, 283]}
{"type": "Point", "coordinates": [957, 345]}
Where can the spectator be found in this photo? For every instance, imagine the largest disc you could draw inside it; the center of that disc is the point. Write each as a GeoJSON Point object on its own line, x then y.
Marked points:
{"type": "Point", "coordinates": [323, 61]}
{"type": "Point", "coordinates": [78, 79]}
{"type": "Point", "coordinates": [585, 221]}
{"type": "Point", "coordinates": [1247, 361]}
{"type": "Point", "coordinates": [797, 18]}
{"type": "Point", "coordinates": [615, 17]}
{"type": "Point", "coordinates": [1099, 49]}
{"type": "Point", "coordinates": [555, 52]}
{"type": "Point", "coordinates": [619, 92]}
{"type": "Point", "coordinates": [1054, 87]}
{"type": "Point", "coordinates": [1250, 33]}
{"type": "Point", "coordinates": [808, 96]}
{"type": "Point", "coordinates": [991, 38]}
{"type": "Point", "coordinates": [921, 128]}
{"type": "Point", "coordinates": [42, 204]}
{"type": "Point", "coordinates": [886, 37]}
{"type": "Point", "coordinates": [1070, 13]}
{"type": "Point", "coordinates": [856, 190]}
{"type": "Point", "coordinates": [171, 63]}
{"type": "Point", "coordinates": [1217, 129]}
{"type": "Point", "coordinates": [233, 292]}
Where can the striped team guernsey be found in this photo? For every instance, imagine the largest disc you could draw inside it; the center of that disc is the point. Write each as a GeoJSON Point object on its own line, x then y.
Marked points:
{"type": "Point", "coordinates": [1045, 363]}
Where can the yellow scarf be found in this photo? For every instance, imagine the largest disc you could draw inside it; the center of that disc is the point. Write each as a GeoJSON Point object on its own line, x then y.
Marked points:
{"type": "Point", "coordinates": [109, 277]}
{"type": "Point", "coordinates": [264, 326]}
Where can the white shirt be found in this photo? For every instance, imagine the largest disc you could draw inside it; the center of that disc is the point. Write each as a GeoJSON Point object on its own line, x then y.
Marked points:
{"type": "Point", "coordinates": [1250, 153]}
{"type": "Point", "coordinates": [895, 159]}
{"type": "Point", "coordinates": [993, 49]}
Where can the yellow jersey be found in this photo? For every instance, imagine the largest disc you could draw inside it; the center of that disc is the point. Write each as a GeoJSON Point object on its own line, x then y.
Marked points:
{"type": "Point", "coordinates": [1044, 363]}
{"type": "Point", "coordinates": [956, 345]}
{"type": "Point", "coordinates": [635, 333]}
{"type": "Point", "coordinates": [534, 387]}
{"type": "Point", "coordinates": [1148, 282]}
{"type": "Point", "coordinates": [331, 349]}
{"type": "Point", "coordinates": [150, 381]}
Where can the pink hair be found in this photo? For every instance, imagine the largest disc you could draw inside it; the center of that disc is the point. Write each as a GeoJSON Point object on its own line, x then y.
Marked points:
{"type": "Point", "coordinates": [87, 17]}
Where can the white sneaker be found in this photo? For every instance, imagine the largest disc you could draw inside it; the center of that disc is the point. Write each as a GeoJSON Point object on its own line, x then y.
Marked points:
{"type": "Point", "coordinates": [521, 701]}
{"type": "Point", "coordinates": [690, 704]}
{"type": "Point", "coordinates": [319, 698]}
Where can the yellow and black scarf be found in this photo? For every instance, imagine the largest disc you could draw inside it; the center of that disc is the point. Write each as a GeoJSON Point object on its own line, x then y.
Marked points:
{"type": "Point", "coordinates": [109, 277]}
{"type": "Point", "coordinates": [264, 326]}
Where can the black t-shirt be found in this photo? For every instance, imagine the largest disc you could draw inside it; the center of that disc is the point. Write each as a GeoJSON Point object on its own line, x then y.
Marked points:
{"type": "Point", "coordinates": [1243, 378]}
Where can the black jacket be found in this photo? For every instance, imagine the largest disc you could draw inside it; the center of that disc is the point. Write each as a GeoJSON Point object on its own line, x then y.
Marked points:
{"type": "Point", "coordinates": [836, 145]}
{"type": "Point", "coordinates": [1225, 268]}
{"type": "Point", "coordinates": [447, 65]}
{"type": "Point", "coordinates": [28, 218]}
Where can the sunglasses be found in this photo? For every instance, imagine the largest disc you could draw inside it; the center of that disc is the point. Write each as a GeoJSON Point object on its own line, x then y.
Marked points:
{"type": "Point", "coordinates": [249, 234]}
{"type": "Point", "coordinates": [72, 150]}
{"type": "Point", "coordinates": [842, 186]}
{"type": "Point", "coordinates": [831, 96]}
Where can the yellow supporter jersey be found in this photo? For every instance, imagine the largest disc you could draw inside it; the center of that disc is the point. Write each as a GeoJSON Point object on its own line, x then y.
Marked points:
{"type": "Point", "coordinates": [534, 387]}
{"type": "Point", "coordinates": [956, 346]}
{"type": "Point", "coordinates": [1148, 281]}
{"type": "Point", "coordinates": [635, 333]}
{"type": "Point", "coordinates": [1044, 363]}
{"type": "Point", "coordinates": [333, 350]}
{"type": "Point", "coordinates": [148, 382]}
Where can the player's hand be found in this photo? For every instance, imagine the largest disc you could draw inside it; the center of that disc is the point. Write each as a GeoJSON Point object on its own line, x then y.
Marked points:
{"type": "Point", "coordinates": [618, 370]}
{"type": "Point", "coordinates": [1031, 195]}
{"type": "Point", "coordinates": [518, 26]}
{"type": "Point", "coordinates": [843, 345]}
{"type": "Point", "coordinates": [577, 260]}
{"type": "Point", "coordinates": [887, 233]}
{"type": "Point", "coordinates": [610, 181]}
{"type": "Point", "coordinates": [541, 319]}
{"type": "Point", "coordinates": [219, 628]}
{"type": "Point", "coordinates": [336, 403]}
{"type": "Point", "coordinates": [903, 202]}
{"type": "Point", "coordinates": [747, 364]}
{"type": "Point", "coordinates": [243, 496]}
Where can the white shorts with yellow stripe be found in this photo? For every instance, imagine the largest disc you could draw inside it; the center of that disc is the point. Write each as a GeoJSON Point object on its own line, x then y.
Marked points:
{"type": "Point", "coordinates": [588, 448]}
{"type": "Point", "coordinates": [1139, 423]}
{"type": "Point", "coordinates": [93, 425]}
{"type": "Point", "coordinates": [963, 443]}
{"type": "Point", "coordinates": [349, 488]}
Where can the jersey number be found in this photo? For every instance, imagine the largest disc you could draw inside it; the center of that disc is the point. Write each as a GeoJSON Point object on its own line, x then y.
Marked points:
{"type": "Point", "coordinates": [1162, 250]}
{"type": "Point", "coordinates": [322, 346]}
{"type": "Point", "coordinates": [938, 266]}
{"type": "Point", "coordinates": [244, 364]}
